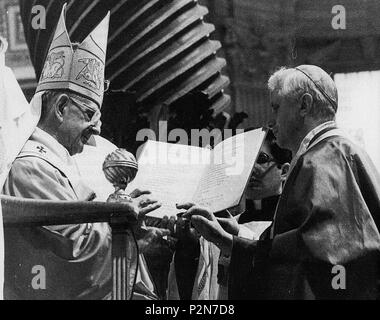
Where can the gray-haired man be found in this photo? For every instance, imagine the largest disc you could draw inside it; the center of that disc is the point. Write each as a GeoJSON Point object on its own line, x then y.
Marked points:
{"type": "Point", "coordinates": [329, 210]}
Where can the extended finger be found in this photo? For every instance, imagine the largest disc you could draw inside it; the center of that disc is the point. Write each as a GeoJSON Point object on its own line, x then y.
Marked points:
{"type": "Point", "coordinates": [146, 202]}
{"type": "Point", "coordinates": [224, 223]}
{"type": "Point", "coordinates": [149, 208]}
{"type": "Point", "coordinates": [199, 223]}
{"type": "Point", "coordinates": [171, 224]}
{"type": "Point", "coordinates": [223, 214]}
{"type": "Point", "coordinates": [179, 225]}
{"type": "Point", "coordinates": [186, 205]}
{"type": "Point", "coordinates": [164, 222]}
{"type": "Point", "coordinates": [199, 212]}
{"type": "Point", "coordinates": [137, 193]}
{"type": "Point", "coordinates": [223, 220]}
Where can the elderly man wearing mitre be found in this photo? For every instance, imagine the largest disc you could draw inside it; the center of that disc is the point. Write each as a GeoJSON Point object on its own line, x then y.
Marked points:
{"type": "Point", "coordinates": [66, 261]}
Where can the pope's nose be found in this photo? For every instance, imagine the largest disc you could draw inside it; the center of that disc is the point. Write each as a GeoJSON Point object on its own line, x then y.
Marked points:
{"type": "Point", "coordinates": [96, 128]}
{"type": "Point", "coordinates": [96, 123]}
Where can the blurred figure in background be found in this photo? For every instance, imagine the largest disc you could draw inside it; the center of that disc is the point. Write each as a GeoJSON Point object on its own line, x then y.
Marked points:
{"type": "Point", "coordinates": [262, 194]}
{"type": "Point", "coordinates": [261, 198]}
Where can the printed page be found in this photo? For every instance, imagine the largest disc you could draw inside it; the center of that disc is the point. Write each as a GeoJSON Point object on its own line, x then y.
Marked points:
{"type": "Point", "coordinates": [226, 178]}
{"type": "Point", "coordinates": [171, 172]}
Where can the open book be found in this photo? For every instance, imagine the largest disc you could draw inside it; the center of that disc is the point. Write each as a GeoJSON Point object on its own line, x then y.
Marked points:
{"type": "Point", "coordinates": [216, 178]}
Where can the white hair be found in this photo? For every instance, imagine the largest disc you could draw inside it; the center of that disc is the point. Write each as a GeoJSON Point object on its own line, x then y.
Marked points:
{"type": "Point", "coordinates": [291, 84]}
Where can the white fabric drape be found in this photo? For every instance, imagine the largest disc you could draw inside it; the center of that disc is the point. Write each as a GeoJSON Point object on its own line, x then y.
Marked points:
{"type": "Point", "coordinates": [17, 122]}
{"type": "Point", "coordinates": [359, 109]}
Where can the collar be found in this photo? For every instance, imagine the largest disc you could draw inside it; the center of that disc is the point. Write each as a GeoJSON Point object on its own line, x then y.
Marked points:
{"type": "Point", "coordinates": [307, 142]}
{"type": "Point", "coordinates": [54, 146]}
{"type": "Point", "coordinates": [59, 157]}
{"type": "Point", "coordinates": [312, 135]}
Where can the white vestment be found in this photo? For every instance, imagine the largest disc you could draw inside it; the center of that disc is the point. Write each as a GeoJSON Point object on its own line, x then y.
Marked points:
{"type": "Point", "coordinates": [17, 122]}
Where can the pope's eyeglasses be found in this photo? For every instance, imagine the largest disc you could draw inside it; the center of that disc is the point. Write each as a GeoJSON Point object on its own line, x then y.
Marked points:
{"type": "Point", "coordinates": [91, 115]}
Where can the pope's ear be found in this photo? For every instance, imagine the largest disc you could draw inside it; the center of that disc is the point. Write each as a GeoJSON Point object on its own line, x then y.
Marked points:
{"type": "Point", "coordinates": [60, 105]}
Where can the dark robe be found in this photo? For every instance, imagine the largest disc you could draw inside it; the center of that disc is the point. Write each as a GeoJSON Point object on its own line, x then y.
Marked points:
{"type": "Point", "coordinates": [266, 213]}
{"type": "Point", "coordinates": [328, 214]}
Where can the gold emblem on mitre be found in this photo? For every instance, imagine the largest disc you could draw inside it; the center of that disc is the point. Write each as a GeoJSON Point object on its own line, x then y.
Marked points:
{"type": "Point", "coordinates": [82, 70]}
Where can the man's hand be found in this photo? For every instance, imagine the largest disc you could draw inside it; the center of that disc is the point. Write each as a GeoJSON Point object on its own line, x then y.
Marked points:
{"type": "Point", "coordinates": [185, 232]}
{"type": "Point", "coordinates": [229, 223]}
{"type": "Point", "coordinates": [140, 202]}
{"type": "Point", "coordinates": [207, 225]}
{"type": "Point", "coordinates": [143, 204]}
{"type": "Point", "coordinates": [168, 223]}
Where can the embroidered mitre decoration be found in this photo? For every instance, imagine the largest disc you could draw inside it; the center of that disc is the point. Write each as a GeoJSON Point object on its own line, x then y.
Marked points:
{"type": "Point", "coordinates": [82, 70]}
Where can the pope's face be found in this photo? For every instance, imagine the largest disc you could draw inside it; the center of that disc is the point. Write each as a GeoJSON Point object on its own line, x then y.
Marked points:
{"type": "Point", "coordinates": [81, 119]}
{"type": "Point", "coordinates": [285, 122]}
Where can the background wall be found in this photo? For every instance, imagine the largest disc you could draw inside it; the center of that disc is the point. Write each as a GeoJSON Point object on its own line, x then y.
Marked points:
{"type": "Point", "coordinates": [17, 55]}
{"type": "Point", "coordinates": [257, 36]}
{"type": "Point", "coordinates": [260, 35]}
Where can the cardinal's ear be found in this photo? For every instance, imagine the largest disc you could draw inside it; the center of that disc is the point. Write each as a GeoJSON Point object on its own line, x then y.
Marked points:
{"type": "Point", "coordinates": [306, 104]}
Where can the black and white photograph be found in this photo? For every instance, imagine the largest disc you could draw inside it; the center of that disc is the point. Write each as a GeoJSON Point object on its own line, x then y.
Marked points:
{"type": "Point", "coordinates": [203, 151]}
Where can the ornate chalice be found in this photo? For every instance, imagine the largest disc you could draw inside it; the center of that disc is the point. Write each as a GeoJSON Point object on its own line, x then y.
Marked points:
{"type": "Point", "coordinates": [120, 168]}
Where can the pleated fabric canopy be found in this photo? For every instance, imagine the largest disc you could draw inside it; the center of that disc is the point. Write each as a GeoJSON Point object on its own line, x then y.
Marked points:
{"type": "Point", "coordinates": [160, 50]}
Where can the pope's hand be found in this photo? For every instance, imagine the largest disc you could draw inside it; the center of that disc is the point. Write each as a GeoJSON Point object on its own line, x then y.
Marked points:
{"type": "Point", "coordinates": [139, 200]}
{"type": "Point", "coordinates": [208, 226]}
{"type": "Point", "coordinates": [143, 203]}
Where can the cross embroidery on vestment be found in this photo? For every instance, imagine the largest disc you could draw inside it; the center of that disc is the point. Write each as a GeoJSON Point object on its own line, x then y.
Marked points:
{"type": "Point", "coordinates": [41, 149]}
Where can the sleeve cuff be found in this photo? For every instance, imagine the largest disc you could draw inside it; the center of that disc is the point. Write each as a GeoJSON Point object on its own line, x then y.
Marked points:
{"type": "Point", "coordinates": [246, 233]}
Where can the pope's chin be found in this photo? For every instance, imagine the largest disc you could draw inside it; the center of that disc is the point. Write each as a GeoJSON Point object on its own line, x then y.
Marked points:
{"type": "Point", "coordinates": [78, 148]}
{"type": "Point", "coordinates": [83, 140]}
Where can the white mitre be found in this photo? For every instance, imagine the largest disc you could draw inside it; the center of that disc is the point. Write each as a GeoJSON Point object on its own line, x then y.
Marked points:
{"type": "Point", "coordinates": [80, 70]}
